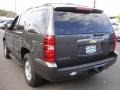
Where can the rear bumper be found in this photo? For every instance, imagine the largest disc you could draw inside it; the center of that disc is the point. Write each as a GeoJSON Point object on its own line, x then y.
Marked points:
{"type": "Point", "coordinates": [66, 73]}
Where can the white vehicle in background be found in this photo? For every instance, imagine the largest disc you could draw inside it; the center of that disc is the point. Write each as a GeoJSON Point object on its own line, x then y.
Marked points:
{"type": "Point", "coordinates": [5, 24]}
{"type": "Point", "coordinates": [5, 21]}
{"type": "Point", "coordinates": [2, 23]}
{"type": "Point", "coordinates": [116, 27]}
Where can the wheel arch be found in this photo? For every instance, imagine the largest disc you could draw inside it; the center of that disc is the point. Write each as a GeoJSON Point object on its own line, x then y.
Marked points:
{"type": "Point", "coordinates": [24, 51]}
{"type": "Point", "coordinates": [3, 39]}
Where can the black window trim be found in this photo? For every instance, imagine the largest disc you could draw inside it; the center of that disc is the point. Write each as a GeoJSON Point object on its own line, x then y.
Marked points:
{"type": "Point", "coordinates": [15, 22]}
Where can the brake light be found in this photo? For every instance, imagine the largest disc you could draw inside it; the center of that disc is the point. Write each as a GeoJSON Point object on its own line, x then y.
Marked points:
{"type": "Point", "coordinates": [82, 8]}
{"type": "Point", "coordinates": [49, 48]}
{"type": "Point", "coordinates": [115, 40]}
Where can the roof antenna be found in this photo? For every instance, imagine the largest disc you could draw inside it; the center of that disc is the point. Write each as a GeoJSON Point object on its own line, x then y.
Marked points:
{"type": "Point", "coordinates": [94, 4]}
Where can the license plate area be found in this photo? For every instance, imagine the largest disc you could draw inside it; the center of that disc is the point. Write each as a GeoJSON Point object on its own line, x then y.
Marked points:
{"type": "Point", "coordinates": [91, 49]}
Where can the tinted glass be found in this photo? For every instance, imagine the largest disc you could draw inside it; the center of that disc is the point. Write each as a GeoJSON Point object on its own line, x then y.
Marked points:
{"type": "Point", "coordinates": [14, 23]}
{"type": "Point", "coordinates": [23, 19]}
{"type": "Point", "coordinates": [70, 23]}
{"type": "Point", "coordinates": [22, 22]}
{"type": "Point", "coordinates": [38, 20]}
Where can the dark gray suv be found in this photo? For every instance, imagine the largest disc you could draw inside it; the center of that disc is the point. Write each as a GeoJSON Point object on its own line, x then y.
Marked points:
{"type": "Point", "coordinates": [59, 42]}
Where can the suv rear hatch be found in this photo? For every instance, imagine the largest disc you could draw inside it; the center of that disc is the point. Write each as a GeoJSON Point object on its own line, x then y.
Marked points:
{"type": "Point", "coordinates": [82, 36]}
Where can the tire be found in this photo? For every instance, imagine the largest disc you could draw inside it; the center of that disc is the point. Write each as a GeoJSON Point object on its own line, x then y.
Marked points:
{"type": "Point", "coordinates": [30, 76]}
{"type": "Point", "coordinates": [6, 51]}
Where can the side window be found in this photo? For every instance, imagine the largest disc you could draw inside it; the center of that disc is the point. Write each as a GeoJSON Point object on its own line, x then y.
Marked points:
{"type": "Point", "coordinates": [22, 22]}
{"type": "Point", "coordinates": [14, 23]}
{"type": "Point", "coordinates": [38, 20]}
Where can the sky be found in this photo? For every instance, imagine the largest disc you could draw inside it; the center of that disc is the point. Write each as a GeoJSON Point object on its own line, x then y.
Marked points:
{"type": "Point", "coordinates": [110, 7]}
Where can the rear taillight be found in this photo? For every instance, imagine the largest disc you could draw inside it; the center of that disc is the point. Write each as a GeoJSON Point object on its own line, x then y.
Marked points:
{"type": "Point", "coordinates": [49, 48]}
{"type": "Point", "coordinates": [115, 40]}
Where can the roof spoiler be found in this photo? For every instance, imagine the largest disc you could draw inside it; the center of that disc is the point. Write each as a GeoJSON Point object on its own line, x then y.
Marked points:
{"type": "Point", "coordinates": [78, 9]}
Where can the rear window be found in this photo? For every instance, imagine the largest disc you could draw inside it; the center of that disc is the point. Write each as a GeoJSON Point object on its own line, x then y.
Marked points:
{"type": "Point", "coordinates": [71, 23]}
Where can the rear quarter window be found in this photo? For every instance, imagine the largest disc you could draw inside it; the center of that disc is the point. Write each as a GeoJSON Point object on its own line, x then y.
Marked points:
{"type": "Point", "coordinates": [38, 20]}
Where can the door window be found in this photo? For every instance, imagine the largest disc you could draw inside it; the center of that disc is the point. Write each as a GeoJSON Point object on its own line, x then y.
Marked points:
{"type": "Point", "coordinates": [15, 22]}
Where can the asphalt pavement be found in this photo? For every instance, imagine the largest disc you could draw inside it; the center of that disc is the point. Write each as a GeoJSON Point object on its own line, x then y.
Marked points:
{"type": "Point", "coordinates": [12, 77]}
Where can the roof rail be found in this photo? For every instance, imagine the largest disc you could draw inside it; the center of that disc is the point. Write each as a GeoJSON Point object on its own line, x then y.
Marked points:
{"type": "Point", "coordinates": [50, 4]}
{"type": "Point", "coordinates": [33, 7]}
{"type": "Point", "coordinates": [28, 8]}
{"type": "Point", "coordinates": [63, 4]}
{"type": "Point", "coordinates": [58, 3]}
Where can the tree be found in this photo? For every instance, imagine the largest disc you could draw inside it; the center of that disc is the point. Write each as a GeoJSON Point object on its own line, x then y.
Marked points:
{"type": "Point", "coordinates": [7, 13]}
{"type": "Point", "coordinates": [118, 17]}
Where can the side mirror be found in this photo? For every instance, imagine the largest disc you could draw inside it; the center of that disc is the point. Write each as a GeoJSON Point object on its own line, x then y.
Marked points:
{"type": "Point", "coordinates": [32, 31]}
{"type": "Point", "coordinates": [7, 26]}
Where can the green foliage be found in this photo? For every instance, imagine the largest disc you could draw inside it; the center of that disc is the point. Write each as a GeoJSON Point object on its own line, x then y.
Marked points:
{"type": "Point", "coordinates": [7, 13]}
{"type": "Point", "coordinates": [118, 17]}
